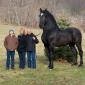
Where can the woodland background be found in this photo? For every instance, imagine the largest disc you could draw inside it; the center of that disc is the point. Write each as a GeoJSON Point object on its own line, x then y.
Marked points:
{"type": "Point", "coordinates": [25, 12]}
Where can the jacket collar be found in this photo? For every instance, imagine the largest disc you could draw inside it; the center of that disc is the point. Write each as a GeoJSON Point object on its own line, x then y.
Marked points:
{"type": "Point", "coordinates": [11, 36]}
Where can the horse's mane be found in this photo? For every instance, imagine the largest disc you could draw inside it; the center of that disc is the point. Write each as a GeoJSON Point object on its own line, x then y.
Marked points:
{"type": "Point", "coordinates": [51, 17]}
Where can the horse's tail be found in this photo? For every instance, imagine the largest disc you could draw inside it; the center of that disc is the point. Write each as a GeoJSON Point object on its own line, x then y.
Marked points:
{"type": "Point", "coordinates": [77, 35]}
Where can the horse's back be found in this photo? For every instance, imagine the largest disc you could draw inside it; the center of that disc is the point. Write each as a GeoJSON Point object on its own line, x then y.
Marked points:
{"type": "Point", "coordinates": [73, 29]}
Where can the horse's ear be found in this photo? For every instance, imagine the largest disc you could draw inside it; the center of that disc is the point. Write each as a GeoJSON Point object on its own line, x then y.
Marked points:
{"type": "Point", "coordinates": [46, 9]}
{"type": "Point", "coordinates": [40, 10]}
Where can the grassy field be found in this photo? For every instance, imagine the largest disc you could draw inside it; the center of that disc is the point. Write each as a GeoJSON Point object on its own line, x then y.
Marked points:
{"type": "Point", "coordinates": [62, 74]}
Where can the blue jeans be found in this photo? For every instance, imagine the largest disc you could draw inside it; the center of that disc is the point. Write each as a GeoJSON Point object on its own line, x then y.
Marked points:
{"type": "Point", "coordinates": [22, 59]}
{"type": "Point", "coordinates": [31, 59]}
{"type": "Point", "coordinates": [10, 59]}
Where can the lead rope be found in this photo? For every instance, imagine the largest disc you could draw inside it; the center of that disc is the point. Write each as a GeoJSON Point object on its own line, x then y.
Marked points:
{"type": "Point", "coordinates": [38, 34]}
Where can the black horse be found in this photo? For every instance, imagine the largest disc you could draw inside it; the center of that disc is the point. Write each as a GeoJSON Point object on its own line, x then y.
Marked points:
{"type": "Point", "coordinates": [53, 37]}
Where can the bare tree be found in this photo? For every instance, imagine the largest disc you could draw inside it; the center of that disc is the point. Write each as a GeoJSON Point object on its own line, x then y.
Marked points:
{"type": "Point", "coordinates": [25, 12]}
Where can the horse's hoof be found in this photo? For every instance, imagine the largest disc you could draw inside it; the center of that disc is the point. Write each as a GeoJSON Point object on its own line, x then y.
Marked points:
{"type": "Point", "coordinates": [74, 64]}
{"type": "Point", "coordinates": [50, 68]}
{"type": "Point", "coordinates": [81, 65]}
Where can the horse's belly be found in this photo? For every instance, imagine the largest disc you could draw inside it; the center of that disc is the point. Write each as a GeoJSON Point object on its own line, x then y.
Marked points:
{"type": "Point", "coordinates": [63, 41]}
{"type": "Point", "coordinates": [61, 44]}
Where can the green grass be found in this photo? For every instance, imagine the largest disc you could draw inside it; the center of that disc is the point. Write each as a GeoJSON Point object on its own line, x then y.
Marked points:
{"type": "Point", "coordinates": [62, 74]}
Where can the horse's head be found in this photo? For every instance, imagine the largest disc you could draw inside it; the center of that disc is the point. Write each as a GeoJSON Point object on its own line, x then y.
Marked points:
{"type": "Point", "coordinates": [42, 18]}
{"type": "Point", "coordinates": [47, 20]}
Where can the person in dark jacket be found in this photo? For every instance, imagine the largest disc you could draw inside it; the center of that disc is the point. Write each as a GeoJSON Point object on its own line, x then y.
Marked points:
{"type": "Point", "coordinates": [10, 43]}
{"type": "Point", "coordinates": [22, 48]}
{"type": "Point", "coordinates": [31, 49]}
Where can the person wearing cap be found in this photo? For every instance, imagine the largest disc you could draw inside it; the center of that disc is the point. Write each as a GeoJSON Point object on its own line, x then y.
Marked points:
{"type": "Point", "coordinates": [10, 43]}
{"type": "Point", "coordinates": [22, 48]}
{"type": "Point", "coordinates": [31, 49]}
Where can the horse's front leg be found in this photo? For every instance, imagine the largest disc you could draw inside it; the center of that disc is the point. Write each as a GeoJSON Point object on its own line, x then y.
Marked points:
{"type": "Point", "coordinates": [50, 57]}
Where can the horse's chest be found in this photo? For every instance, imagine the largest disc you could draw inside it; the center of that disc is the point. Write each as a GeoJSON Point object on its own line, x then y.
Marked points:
{"type": "Point", "coordinates": [44, 38]}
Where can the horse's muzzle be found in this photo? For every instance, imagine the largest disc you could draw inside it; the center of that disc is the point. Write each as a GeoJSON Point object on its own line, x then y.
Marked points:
{"type": "Point", "coordinates": [41, 27]}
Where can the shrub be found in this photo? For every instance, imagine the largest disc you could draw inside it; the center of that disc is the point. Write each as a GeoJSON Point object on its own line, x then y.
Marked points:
{"type": "Point", "coordinates": [63, 53]}
{"type": "Point", "coordinates": [63, 23]}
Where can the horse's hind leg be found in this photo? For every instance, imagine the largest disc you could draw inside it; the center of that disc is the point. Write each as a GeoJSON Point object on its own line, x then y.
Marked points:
{"type": "Point", "coordinates": [80, 53]}
{"type": "Point", "coordinates": [74, 51]}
